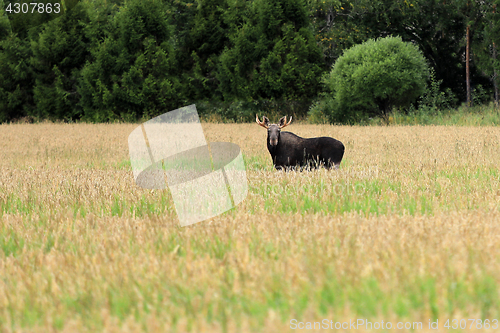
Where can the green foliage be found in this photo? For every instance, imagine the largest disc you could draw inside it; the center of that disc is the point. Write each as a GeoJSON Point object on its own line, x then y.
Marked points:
{"type": "Point", "coordinates": [372, 78]}
{"type": "Point", "coordinates": [202, 47]}
{"type": "Point", "coordinates": [59, 52]}
{"type": "Point", "coordinates": [436, 27]}
{"type": "Point", "coordinates": [131, 71]}
{"type": "Point", "coordinates": [107, 60]}
{"type": "Point", "coordinates": [5, 28]}
{"type": "Point", "coordinates": [16, 78]}
{"type": "Point", "coordinates": [433, 98]}
{"type": "Point", "coordinates": [32, 14]}
{"type": "Point", "coordinates": [245, 111]}
{"type": "Point", "coordinates": [272, 55]}
{"type": "Point", "coordinates": [320, 109]}
{"type": "Point", "coordinates": [486, 43]}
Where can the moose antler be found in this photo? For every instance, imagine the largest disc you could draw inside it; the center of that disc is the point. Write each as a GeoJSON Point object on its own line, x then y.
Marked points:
{"type": "Point", "coordinates": [260, 123]}
{"type": "Point", "coordinates": [286, 124]}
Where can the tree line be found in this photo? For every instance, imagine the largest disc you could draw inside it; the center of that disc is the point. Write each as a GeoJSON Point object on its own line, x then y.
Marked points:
{"type": "Point", "coordinates": [108, 60]}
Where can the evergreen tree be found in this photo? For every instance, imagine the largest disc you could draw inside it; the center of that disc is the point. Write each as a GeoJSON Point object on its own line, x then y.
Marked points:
{"type": "Point", "coordinates": [5, 29]}
{"type": "Point", "coordinates": [207, 37]}
{"type": "Point", "coordinates": [16, 79]}
{"type": "Point", "coordinates": [129, 75]}
{"type": "Point", "coordinates": [272, 54]}
{"type": "Point", "coordinates": [59, 52]}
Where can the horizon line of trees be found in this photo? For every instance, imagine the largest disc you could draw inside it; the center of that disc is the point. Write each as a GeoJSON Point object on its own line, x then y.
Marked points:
{"type": "Point", "coordinates": [107, 60]}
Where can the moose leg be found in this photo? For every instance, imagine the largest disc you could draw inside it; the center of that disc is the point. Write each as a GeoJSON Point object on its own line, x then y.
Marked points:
{"type": "Point", "coordinates": [331, 164]}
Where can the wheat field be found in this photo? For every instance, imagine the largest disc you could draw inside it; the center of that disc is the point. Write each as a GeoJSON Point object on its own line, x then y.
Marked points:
{"type": "Point", "coordinates": [407, 231]}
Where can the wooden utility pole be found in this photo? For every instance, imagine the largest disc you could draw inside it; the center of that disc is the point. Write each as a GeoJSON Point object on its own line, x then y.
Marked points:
{"type": "Point", "coordinates": [467, 67]}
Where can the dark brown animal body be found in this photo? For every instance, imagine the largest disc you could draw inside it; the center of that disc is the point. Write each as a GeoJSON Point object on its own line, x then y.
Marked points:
{"type": "Point", "coordinates": [290, 151]}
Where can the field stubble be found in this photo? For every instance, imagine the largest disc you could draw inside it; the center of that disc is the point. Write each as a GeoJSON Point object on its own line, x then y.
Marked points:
{"type": "Point", "coordinates": [406, 230]}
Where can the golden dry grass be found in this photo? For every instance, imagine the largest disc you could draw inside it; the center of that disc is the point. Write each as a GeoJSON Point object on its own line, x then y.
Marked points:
{"type": "Point", "coordinates": [407, 230]}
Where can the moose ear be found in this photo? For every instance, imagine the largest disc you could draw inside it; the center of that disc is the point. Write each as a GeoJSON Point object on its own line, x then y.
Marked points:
{"type": "Point", "coordinates": [266, 121]}
{"type": "Point", "coordinates": [282, 121]}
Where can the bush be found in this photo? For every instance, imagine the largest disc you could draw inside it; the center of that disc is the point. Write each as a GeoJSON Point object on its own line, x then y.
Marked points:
{"type": "Point", "coordinates": [372, 78]}
{"type": "Point", "coordinates": [433, 98]}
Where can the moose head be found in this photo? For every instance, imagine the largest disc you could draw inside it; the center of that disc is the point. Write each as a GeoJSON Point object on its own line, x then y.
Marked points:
{"type": "Point", "coordinates": [273, 130]}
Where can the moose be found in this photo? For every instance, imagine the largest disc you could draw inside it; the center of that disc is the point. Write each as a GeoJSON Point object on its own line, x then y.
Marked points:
{"type": "Point", "coordinates": [290, 151]}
